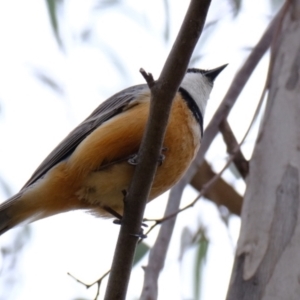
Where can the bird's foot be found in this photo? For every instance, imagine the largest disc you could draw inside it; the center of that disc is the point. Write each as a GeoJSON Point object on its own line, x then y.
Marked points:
{"type": "Point", "coordinates": [162, 157]}
{"type": "Point", "coordinates": [139, 235]}
{"type": "Point", "coordinates": [134, 158]}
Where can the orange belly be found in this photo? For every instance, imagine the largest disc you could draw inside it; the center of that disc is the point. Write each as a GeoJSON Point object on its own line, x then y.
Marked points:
{"type": "Point", "coordinates": [182, 140]}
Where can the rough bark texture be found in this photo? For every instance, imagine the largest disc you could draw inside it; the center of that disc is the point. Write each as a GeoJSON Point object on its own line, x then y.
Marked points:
{"type": "Point", "coordinates": [268, 255]}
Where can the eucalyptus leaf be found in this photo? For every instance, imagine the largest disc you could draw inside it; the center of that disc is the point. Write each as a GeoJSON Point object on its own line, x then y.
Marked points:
{"type": "Point", "coordinates": [200, 260]}
{"type": "Point", "coordinates": [52, 10]}
{"type": "Point", "coordinates": [140, 252]}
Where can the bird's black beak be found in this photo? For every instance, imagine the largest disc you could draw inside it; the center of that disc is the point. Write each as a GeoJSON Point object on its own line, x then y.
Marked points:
{"type": "Point", "coordinates": [212, 74]}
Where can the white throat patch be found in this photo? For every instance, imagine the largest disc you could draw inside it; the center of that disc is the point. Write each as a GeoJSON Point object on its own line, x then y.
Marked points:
{"type": "Point", "coordinates": [198, 86]}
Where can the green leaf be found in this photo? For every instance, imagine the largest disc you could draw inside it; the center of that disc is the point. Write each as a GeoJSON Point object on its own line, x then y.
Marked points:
{"type": "Point", "coordinates": [187, 241]}
{"type": "Point", "coordinates": [140, 252]}
{"type": "Point", "coordinates": [200, 260]}
{"type": "Point", "coordinates": [52, 10]}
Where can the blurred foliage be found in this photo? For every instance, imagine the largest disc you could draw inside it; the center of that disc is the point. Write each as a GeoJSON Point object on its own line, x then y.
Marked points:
{"type": "Point", "coordinates": [10, 251]}
{"type": "Point", "coordinates": [49, 81]}
{"type": "Point", "coordinates": [198, 241]}
{"type": "Point", "coordinates": [103, 4]}
{"type": "Point", "coordinates": [202, 248]}
{"type": "Point", "coordinates": [52, 6]}
{"type": "Point", "coordinates": [236, 6]}
{"type": "Point", "coordinates": [140, 252]}
{"type": "Point", "coordinates": [107, 3]}
{"type": "Point", "coordinates": [11, 255]}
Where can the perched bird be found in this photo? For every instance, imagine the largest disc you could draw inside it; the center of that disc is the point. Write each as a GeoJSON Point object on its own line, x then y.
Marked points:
{"type": "Point", "coordinates": [91, 167]}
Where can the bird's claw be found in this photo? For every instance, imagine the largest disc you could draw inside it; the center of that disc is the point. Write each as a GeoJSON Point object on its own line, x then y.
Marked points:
{"type": "Point", "coordinates": [139, 235]}
{"type": "Point", "coordinates": [132, 160]}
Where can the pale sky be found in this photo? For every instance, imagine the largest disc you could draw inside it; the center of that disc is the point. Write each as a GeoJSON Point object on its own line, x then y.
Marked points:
{"type": "Point", "coordinates": [34, 119]}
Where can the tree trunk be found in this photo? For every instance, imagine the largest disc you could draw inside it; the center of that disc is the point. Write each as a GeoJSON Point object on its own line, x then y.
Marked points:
{"type": "Point", "coordinates": [267, 264]}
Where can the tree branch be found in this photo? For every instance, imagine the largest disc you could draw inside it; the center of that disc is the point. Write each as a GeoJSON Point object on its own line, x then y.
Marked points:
{"type": "Point", "coordinates": [222, 193]}
{"type": "Point", "coordinates": [162, 94]}
{"type": "Point", "coordinates": [239, 160]}
{"type": "Point", "coordinates": [158, 252]}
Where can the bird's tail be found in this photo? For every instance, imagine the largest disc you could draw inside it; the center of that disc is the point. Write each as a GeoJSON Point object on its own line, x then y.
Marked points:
{"type": "Point", "coordinates": [25, 207]}
{"type": "Point", "coordinates": [13, 212]}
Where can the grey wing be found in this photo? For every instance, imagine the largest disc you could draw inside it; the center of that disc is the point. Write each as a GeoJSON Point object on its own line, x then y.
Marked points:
{"type": "Point", "coordinates": [114, 105]}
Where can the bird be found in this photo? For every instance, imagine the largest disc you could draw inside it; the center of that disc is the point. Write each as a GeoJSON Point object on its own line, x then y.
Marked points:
{"type": "Point", "coordinates": [93, 166]}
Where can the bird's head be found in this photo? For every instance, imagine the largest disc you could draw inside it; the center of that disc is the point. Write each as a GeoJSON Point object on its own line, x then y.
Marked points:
{"type": "Point", "coordinates": [199, 83]}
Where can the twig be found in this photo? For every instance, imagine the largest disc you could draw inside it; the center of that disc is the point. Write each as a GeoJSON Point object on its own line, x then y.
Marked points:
{"type": "Point", "coordinates": [98, 281]}
{"type": "Point", "coordinates": [162, 94]}
{"type": "Point", "coordinates": [239, 160]}
{"type": "Point", "coordinates": [148, 77]}
{"type": "Point", "coordinates": [205, 188]}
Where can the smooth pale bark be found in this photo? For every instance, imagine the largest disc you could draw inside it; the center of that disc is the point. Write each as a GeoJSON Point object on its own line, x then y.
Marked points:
{"type": "Point", "coordinates": [267, 264]}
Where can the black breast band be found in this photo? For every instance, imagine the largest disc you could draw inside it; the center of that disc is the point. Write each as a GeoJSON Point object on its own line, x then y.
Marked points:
{"type": "Point", "coordinates": [193, 107]}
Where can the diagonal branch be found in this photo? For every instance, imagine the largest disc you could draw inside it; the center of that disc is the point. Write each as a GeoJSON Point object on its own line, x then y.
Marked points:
{"type": "Point", "coordinates": [162, 93]}
{"type": "Point", "coordinates": [222, 193]}
{"type": "Point", "coordinates": [158, 252]}
{"type": "Point", "coordinates": [239, 160]}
